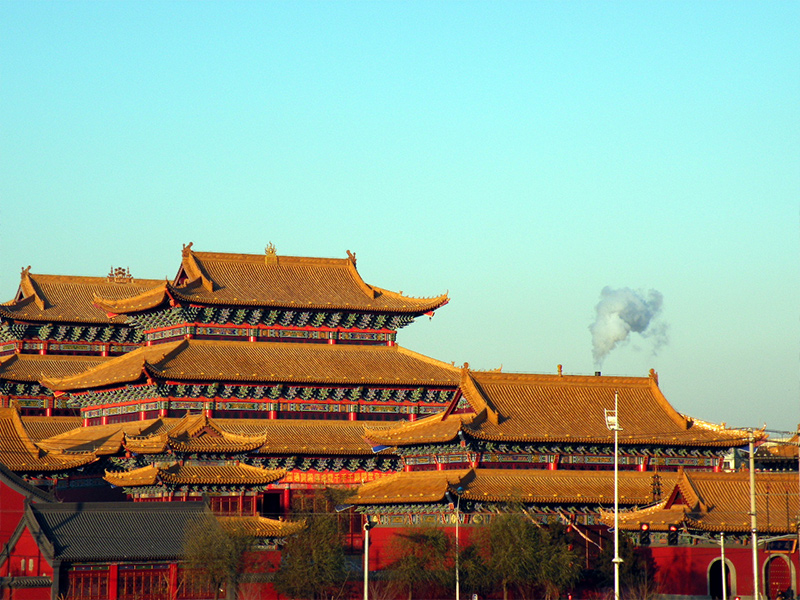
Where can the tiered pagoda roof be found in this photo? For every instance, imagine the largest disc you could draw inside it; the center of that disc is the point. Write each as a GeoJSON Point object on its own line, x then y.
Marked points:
{"type": "Point", "coordinates": [513, 408]}
{"type": "Point", "coordinates": [70, 299]}
{"type": "Point", "coordinates": [203, 360]}
{"type": "Point", "coordinates": [269, 280]}
{"type": "Point", "coordinates": [720, 502]}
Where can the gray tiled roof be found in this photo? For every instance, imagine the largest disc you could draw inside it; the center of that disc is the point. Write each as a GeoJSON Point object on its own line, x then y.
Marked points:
{"type": "Point", "coordinates": [92, 531]}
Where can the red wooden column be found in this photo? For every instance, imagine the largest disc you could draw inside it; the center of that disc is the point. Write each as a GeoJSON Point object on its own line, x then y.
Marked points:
{"type": "Point", "coordinates": [113, 581]}
{"type": "Point", "coordinates": [173, 580]}
{"type": "Point", "coordinates": [285, 501]}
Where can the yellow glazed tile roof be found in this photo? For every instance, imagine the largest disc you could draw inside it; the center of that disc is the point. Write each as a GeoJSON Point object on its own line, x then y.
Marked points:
{"type": "Point", "coordinates": [720, 502]}
{"type": "Point", "coordinates": [238, 474]}
{"type": "Point", "coordinates": [571, 408]}
{"type": "Point", "coordinates": [100, 439]}
{"type": "Point", "coordinates": [305, 437]}
{"type": "Point", "coordinates": [512, 407]}
{"type": "Point", "coordinates": [261, 527]}
{"type": "Point", "coordinates": [35, 367]}
{"type": "Point", "coordinates": [200, 360]}
{"type": "Point", "coordinates": [408, 488]}
{"type": "Point", "coordinates": [193, 433]}
{"type": "Point", "coordinates": [69, 299]}
{"type": "Point", "coordinates": [434, 429]}
{"type": "Point", "coordinates": [288, 281]}
{"type": "Point", "coordinates": [19, 453]}
{"type": "Point", "coordinates": [513, 485]}
{"type": "Point", "coordinates": [119, 370]}
{"type": "Point", "coordinates": [41, 428]}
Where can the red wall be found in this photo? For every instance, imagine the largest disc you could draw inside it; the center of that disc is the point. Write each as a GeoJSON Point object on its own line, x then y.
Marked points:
{"type": "Point", "coordinates": [12, 505]}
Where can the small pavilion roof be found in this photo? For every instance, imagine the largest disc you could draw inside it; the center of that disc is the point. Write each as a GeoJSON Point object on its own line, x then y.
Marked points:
{"type": "Point", "coordinates": [272, 281]}
{"type": "Point", "coordinates": [512, 485]}
{"type": "Point", "coordinates": [720, 502]}
{"type": "Point", "coordinates": [305, 437]}
{"type": "Point", "coordinates": [563, 409]}
{"type": "Point", "coordinates": [177, 474]}
{"type": "Point", "coordinates": [786, 450]}
{"type": "Point", "coordinates": [70, 299]}
{"type": "Point", "coordinates": [41, 428]}
{"type": "Point", "coordinates": [192, 434]}
{"type": "Point", "coordinates": [24, 368]}
{"type": "Point", "coordinates": [19, 453]}
{"type": "Point", "coordinates": [261, 527]}
{"type": "Point", "coordinates": [410, 488]}
{"type": "Point", "coordinates": [100, 439]}
{"type": "Point", "coordinates": [214, 361]}
{"type": "Point", "coordinates": [155, 436]}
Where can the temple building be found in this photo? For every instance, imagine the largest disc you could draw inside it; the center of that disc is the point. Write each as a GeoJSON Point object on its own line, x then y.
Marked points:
{"type": "Point", "coordinates": [251, 380]}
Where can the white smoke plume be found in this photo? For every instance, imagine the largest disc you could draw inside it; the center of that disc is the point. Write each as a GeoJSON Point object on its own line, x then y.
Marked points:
{"type": "Point", "coordinates": [621, 312]}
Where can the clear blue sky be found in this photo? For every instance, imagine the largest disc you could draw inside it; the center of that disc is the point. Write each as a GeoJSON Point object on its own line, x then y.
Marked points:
{"type": "Point", "coordinates": [520, 155]}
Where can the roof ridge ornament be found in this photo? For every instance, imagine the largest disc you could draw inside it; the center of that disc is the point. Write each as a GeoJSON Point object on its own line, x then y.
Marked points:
{"type": "Point", "coordinates": [352, 257]}
{"type": "Point", "coordinates": [187, 249]}
{"type": "Point", "coordinates": [119, 275]}
{"type": "Point", "coordinates": [271, 254]}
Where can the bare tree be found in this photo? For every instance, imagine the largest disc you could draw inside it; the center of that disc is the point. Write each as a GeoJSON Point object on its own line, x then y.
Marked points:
{"type": "Point", "coordinates": [216, 554]}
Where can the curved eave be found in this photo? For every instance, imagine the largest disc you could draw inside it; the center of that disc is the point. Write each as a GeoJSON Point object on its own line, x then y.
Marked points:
{"type": "Point", "coordinates": [261, 527]}
{"type": "Point", "coordinates": [123, 369]}
{"type": "Point", "coordinates": [434, 429]}
{"type": "Point", "coordinates": [51, 463]}
{"type": "Point", "coordinates": [224, 447]}
{"type": "Point", "coordinates": [413, 306]}
{"type": "Point", "coordinates": [737, 527]}
{"type": "Point", "coordinates": [146, 300]}
{"type": "Point", "coordinates": [134, 478]}
{"type": "Point", "coordinates": [666, 440]}
{"type": "Point", "coordinates": [312, 450]}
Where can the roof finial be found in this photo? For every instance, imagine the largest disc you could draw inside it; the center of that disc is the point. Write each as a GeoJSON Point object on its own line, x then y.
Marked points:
{"type": "Point", "coordinates": [352, 257]}
{"type": "Point", "coordinates": [654, 375]}
{"type": "Point", "coordinates": [271, 257]}
{"type": "Point", "coordinates": [119, 275]}
{"type": "Point", "coordinates": [187, 249]}
{"type": "Point", "coordinates": [559, 370]}
{"type": "Point", "coordinates": [26, 270]}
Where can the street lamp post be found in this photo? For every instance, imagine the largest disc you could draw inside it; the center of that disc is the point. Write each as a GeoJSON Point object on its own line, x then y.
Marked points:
{"type": "Point", "coordinates": [612, 423]}
{"type": "Point", "coordinates": [367, 526]}
{"type": "Point", "coordinates": [459, 491]}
